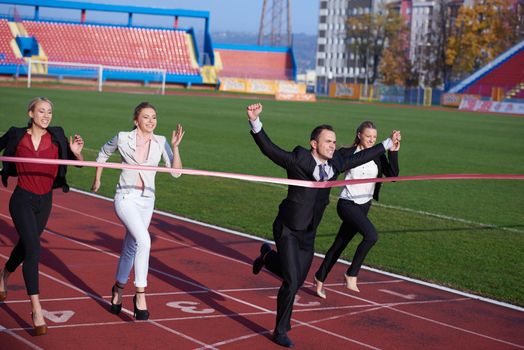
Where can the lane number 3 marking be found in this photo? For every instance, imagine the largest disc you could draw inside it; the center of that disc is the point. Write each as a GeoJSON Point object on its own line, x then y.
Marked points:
{"type": "Point", "coordinates": [190, 307]}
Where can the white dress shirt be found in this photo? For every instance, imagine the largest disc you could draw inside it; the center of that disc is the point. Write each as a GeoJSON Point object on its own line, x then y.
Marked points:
{"type": "Point", "coordinates": [360, 193]}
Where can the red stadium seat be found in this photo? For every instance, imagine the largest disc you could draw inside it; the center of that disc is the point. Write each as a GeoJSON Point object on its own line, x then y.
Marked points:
{"type": "Point", "coordinates": [507, 75]}
{"type": "Point", "coordinates": [255, 64]}
{"type": "Point", "coordinates": [7, 55]}
{"type": "Point", "coordinates": [115, 46]}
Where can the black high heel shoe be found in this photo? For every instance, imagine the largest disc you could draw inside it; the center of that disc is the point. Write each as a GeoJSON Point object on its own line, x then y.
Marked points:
{"type": "Point", "coordinates": [115, 308]}
{"type": "Point", "coordinates": [140, 315]}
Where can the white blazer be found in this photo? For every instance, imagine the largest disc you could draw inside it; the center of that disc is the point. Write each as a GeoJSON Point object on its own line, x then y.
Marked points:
{"type": "Point", "coordinates": [125, 143]}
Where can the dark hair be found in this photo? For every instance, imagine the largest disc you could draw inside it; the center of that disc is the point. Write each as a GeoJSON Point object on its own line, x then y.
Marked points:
{"type": "Point", "coordinates": [364, 125]}
{"type": "Point", "coordinates": [139, 109]}
{"type": "Point", "coordinates": [316, 131]}
{"type": "Point", "coordinates": [32, 104]}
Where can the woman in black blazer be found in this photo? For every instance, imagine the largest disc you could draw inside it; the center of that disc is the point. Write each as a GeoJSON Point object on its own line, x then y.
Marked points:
{"type": "Point", "coordinates": [353, 207]}
{"type": "Point", "coordinates": [31, 201]}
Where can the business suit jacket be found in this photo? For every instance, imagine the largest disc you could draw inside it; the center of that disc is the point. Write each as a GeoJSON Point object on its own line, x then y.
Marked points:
{"type": "Point", "coordinates": [125, 143]}
{"type": "Point", "coordinates": [10, 140]}
{"type": "Point", "coordinates": [387, 166]}
{"type": "Point", "coordinates": [303, 207]}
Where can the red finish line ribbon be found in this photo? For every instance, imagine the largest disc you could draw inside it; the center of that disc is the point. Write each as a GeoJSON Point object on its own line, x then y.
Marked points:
{"type": "Point", "coordinates": [274, 180]}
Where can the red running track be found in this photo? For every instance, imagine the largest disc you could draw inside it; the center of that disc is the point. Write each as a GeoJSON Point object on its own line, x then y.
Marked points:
{"type": "Point", "coordinates": [202, 294]}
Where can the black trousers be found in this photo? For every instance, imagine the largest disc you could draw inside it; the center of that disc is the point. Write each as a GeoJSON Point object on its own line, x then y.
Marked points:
{"type": "Point", "coordinates": [291, 262]}
{"type": "Point", "coordinates": [354, 219]}
{"type": "Point", "coordinates": [29, 212]}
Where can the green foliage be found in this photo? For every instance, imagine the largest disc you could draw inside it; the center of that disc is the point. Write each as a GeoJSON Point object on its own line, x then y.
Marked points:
{"type": "Point", "coordinates": [412, 240]}
{"type": "Point", "coordinates": [369, 34]}
{"type": "Point", "coordinates": [481, 32]}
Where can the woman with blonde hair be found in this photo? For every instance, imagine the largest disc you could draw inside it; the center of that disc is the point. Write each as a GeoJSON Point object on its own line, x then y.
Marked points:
{"type": "Point", "coordinates": [31, 201]}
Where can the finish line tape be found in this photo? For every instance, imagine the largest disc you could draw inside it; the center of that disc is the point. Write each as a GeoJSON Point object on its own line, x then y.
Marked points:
{"type": "Point", "coordinates": [274, 180]}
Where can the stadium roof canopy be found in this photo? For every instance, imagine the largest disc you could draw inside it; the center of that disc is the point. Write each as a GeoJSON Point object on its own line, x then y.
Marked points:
{"type": "Point", "coordinates": [109, 8]}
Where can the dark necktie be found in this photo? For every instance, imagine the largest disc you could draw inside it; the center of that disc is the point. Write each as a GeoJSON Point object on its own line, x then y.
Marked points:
{"type": "Point", "coordinates": [322, 172]}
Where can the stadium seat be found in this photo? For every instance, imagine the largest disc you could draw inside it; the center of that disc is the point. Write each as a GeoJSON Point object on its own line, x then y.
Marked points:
{"type": "Point", "coordinates": [7, 56]}
{"type": "Point", "coordinates": [255, 64]}
{"type": "Point", "coordinates": [507, 75]}
{"type": "Point", "coordinates": [115, 46]}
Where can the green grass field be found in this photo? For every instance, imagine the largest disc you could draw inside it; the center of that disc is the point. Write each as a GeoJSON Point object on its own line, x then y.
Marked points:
{"type": "Point", "coordinates": [466, 234]}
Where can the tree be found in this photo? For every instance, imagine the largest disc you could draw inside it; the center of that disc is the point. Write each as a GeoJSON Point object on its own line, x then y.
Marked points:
{"type": "Point", "coordinates": [443, 23]}
{"type": "Point", "coordinates": [395, 66]}
{"type": "Point", "coordinates": [481, 32]}
{"type": "Point", "coordinates": [368, 33]}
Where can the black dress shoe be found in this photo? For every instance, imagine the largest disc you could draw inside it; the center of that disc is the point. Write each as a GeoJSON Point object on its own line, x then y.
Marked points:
{"type": "Point", "coordinates": [283, 340]}
{"type": "Point", "coordinates": [258, 264]}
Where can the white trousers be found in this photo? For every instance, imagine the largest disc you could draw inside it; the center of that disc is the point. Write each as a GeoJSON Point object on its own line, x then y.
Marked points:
{"type": "Point", "coordinates": [135, 211]}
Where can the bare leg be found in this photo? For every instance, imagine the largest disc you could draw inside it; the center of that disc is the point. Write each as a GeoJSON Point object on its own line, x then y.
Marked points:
{"type": "Point", "coordinates": [117, 297]}
{"type": "Point", "coordinates": [37, 315]}
{"type": "Point", "coordinates": [351, 283]}
{"type": "Point", "coordinates": [4, 275]}
{"type": "Point", "coordinates": [319, 289]}
{"type": "Point", "coordinates": [140, 306]}
{"type": "Point", "coordinates": [141, 298]}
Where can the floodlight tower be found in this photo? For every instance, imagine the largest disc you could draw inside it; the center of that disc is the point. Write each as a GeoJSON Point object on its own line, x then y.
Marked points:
{"type": "Point", "coordinates": [275, 23]}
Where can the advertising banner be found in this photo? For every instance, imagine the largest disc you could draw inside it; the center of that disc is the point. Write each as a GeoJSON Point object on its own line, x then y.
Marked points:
{"type": "Point", "coordinates": [257, 86]}
{"type": "Point", "coordinates": [341, 90]}
{"type": "Point", "coordinates": [283, 96]}
{"type": "Point", "coordinates": [476, 105]}
{"type": "Point", "coordinates": [453, 100]}
{"type": "Point", "coordinates": [233, 84]}
{"type": "Point", "coordinates": [289, 87]}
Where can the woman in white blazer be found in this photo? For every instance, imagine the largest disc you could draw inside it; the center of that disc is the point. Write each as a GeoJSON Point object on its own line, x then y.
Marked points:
{"type": "Point", "coordinates": [135, 197]}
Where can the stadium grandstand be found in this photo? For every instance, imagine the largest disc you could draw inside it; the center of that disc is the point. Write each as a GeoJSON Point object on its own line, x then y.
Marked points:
{"type": "Point", "coordinates": [7, 56]}
{"type": "Point", "coordinates": [506, 73]}
{"type": "Point", "coordinates": [256, 62]}
{"type": "Point", "coordinates": [127, 51]}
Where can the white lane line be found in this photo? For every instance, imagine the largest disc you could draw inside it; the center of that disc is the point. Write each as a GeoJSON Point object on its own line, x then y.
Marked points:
{"type": "Point", "coordinates": [240, 301]}
{"type": "Point", "coordinates": [447, 217]}
{"type": "Point", "coordinates": [366, 307]}
{"type": "Point", "coordinates": [192, 246]}
{"type": "Point", "coordinates": [389, 274]}
{"type": "Point", "coordinates": [413, 211]}
{"type": "Point", "coordinates": [241, 234]}
{"type": "Point", "coordinates": [19, 338]}
{"type": "Point", "coordinates": [96, 297]}
{"type": "Point", "coordinates": [460, 329]}
{"type": "Point", "coordinates": [400, 295]}
{"type": "Point", "coordinates": [229, 290]}
{"type": "Point", "coordinates": [392, 308]}
{"type": "Point", "coordinates": [413, 315]}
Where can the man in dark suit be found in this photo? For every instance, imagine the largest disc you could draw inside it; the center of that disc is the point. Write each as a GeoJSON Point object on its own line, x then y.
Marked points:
{"type": "Point", "coordinates": [299, 214]}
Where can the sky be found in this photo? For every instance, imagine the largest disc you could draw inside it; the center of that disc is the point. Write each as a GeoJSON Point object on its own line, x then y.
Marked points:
{"type": "Point", "coordinates": [233, 15]}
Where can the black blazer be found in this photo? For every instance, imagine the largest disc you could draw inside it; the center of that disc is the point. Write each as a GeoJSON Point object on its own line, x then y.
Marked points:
{"type": "Point", "coordinates": [303, 207]}
{"type": "Point", "coordinates": [387, 166]}
{"type": "Point", "coordinates": [10, 140]}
